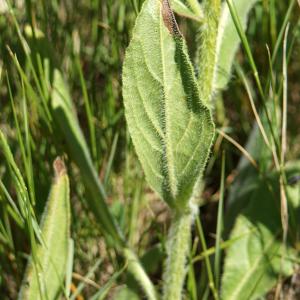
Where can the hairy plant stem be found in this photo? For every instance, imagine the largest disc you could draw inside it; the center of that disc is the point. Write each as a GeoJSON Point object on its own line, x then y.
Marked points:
{"type": "Point", "coordinates": [138, 272]}
{"type": "Point", "coordinates": [177, 249]}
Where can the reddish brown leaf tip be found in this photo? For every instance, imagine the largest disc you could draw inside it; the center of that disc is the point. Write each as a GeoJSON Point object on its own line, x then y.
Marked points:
{"type": "Point", "coordinates": [59, 167]}
{"type": "Point", "coordinates": [169, 18]}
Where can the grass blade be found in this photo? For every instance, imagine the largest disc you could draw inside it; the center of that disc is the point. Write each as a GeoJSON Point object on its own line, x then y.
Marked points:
{"type": "Point", "coordinates": [212, 285]}
{"type": "Point", "coordinates": [220, 225]}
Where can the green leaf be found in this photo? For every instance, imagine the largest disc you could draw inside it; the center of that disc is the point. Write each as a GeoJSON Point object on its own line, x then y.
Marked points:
{"type": "Point", "coordinates": [171, 128]}
{"type": "Point", "coordinates": [45, 273]}
{"type": "Point", "coordinates": [228, 40]}
{"type": "Point", "coordinates": [254, 262]}
{"type": "Point", "coordinates": [65, 115]}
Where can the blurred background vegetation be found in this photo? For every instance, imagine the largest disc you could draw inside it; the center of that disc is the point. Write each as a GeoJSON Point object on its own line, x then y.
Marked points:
{"type": "Point", "coordinates": [86, 40]}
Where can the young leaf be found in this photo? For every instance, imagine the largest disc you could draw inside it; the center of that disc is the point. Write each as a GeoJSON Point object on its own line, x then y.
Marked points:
{"type": "Point", "coordinates": [45, 274]}
{"type": "Point", "coordinates": [228, 40]}
{"type": "Point", "coordinates": [171, 128]}
{"type": "Point", "coordinates": [254, 262]}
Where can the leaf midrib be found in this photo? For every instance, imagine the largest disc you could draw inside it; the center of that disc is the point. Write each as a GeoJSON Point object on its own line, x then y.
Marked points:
{"type": "Point", "coordinates": [169, 154]}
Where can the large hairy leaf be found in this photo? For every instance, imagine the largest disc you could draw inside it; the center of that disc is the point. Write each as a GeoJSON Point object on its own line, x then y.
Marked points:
{"type": "Point", "coordinates": [228, 40]}
{"type": "Point", "coordinates": [45, 273]}
{"type": "Point", "coordinates": [171, 128]}
{"type": "Point", "coordinates": [68, 123]}
{"type": "Point", "coordinates": [253, 260]}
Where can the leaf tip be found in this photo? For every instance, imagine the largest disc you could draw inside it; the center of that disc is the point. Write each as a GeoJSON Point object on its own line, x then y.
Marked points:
{"type": "Point", "coordinates": [169, 18]}
{"type": "Point", "coordinates": [59, 167]}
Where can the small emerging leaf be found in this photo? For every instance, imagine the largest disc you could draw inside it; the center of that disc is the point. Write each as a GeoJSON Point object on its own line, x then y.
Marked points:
{"type": "Point", "coordinates": [45, 273]}
{"type": "Point", "coordinates": [171, 128]}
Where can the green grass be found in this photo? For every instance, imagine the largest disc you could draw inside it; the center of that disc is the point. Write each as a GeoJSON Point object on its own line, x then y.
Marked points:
{"type": "Point", "coordinates": [61, 95]}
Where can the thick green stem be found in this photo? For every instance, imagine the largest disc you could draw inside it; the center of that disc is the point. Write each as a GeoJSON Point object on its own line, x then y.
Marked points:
{"type": "Point", "coordinates": [177, 250]}
{"type": "Point", "coordinates": [136, 269]}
